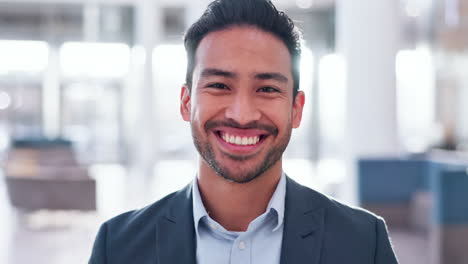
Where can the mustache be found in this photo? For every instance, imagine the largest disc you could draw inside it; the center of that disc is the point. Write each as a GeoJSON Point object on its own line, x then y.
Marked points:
{"type": "Point", "coordinates": [209, 125]}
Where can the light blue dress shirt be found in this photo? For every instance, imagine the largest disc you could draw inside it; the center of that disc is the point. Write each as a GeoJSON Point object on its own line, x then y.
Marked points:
{"type": "Point", "coordinates": [261, 243]}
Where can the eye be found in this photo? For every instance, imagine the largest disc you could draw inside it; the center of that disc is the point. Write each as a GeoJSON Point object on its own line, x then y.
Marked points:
{"type": "Point", "coordinates": [268, 89]}
{"type": "Point", "coordinates": [220, 86]}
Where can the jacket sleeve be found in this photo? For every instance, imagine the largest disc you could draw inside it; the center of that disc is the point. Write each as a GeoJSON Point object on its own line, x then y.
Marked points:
{"type": "Point", "coordinates": [383, 251]}
{"type": "Point", "coordinates": [99, 253]}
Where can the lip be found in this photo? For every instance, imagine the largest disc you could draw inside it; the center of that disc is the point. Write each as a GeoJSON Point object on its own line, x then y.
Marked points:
{"type": "Point", "coordinates": [237, 149]}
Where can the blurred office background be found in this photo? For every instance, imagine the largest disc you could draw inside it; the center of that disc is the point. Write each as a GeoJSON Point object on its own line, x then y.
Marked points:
{"type": "Point", "coordinates": [90, 125]}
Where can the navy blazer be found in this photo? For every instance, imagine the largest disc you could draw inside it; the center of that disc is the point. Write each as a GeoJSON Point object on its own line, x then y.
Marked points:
{"type": "Point", "coordinates": [317, 230]}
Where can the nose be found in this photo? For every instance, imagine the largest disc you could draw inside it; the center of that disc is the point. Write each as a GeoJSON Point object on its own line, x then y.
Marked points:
{"type": "Point", "coordinates": [243, 109]}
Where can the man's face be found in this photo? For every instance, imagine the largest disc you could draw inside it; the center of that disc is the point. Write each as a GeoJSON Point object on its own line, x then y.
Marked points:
{"type": "Point", "coordinates": [241, 106]}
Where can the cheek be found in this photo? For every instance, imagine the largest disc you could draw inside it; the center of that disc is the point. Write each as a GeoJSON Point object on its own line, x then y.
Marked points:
{"type": "Point", "coordinates": [204, 109]}
{"type": "Point", "coordinates": [279, 114]}
{"type": "Point", "coordinates": [284, 121]}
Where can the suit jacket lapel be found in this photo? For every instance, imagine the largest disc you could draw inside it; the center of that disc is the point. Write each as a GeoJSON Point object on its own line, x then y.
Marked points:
{"type": "Point", "coordinates": [303, 225]}
{"type": "Point", "coordinates": [175, 233]}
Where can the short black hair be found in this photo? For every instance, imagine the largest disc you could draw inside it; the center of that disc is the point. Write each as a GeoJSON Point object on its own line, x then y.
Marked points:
{"type": "Point", "coordinates": [262, 14]}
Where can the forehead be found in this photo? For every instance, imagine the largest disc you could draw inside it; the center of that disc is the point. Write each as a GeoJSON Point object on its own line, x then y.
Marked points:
{"type": "Point", "coordinates": [243, 48]}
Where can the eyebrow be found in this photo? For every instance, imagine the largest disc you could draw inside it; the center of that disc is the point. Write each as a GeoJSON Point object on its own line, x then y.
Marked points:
{"type": "Point", "coordinates": [217, 72]}
{"type": "Point", "coordinates": [208, 72]}
{"type": "Point", "coordinates": [271, 76]}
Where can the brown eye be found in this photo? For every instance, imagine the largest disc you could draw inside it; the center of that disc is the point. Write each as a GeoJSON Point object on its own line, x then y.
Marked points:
{"type": "Point", "coordinates": [268, 89]}
{"type": "Point", "coordinates": [218, 86]}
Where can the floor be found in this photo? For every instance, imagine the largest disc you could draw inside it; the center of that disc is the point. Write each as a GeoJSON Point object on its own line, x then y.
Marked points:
{"type": "Point", "coordinates": [57, 237]}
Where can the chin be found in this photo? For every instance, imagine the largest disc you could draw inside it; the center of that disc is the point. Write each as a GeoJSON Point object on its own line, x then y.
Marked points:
{"type": "Point", "coordinates": [241, 179]}
{"type": "Point", "coordinates": [237, 175]}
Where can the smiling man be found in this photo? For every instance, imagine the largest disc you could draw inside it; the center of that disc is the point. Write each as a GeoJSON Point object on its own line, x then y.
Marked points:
{"type": "Point", "coordinates": [242, 100]}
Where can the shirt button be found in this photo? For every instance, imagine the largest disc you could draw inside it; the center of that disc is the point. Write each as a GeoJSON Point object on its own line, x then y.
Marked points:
{"type": "Point", "coordinates": [242, 245]}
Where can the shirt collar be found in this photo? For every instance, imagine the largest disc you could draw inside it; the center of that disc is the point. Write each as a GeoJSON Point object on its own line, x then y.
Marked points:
{"type": "Point", "coordinates": [199, 210]}
{"type": "Point", "coordinates": [276, 203]}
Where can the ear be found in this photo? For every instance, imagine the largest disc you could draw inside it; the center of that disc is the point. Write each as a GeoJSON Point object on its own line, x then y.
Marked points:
{"type": "Point", "coordinates": [298, 107]}
{"type": "Point", "coordinates": [185, 103]}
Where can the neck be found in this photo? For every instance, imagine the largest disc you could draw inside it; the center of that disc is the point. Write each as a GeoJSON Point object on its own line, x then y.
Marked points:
{"type": "Point", "coordinates": [235, 205]}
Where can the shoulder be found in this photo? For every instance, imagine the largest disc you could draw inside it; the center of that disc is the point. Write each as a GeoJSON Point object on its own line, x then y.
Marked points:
{"type": "Point", "coordinates": [136, 218]}
{"type": "Point", "coordinates": [141, 223]}
{"type": "Point", "coordinates": [314, 199]}
{"type": "Point", "coordinates": [133, 233]}
{"type": "Point", "coordinates": [349, 214]}
{"type": "Point", "coordinates": [356, 234]}
{"type": "Point", "coordinates": [338, 216]}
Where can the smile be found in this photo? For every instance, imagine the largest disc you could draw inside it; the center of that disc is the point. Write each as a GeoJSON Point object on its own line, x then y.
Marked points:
{"type": "Point", "coordinates": [240, 140]}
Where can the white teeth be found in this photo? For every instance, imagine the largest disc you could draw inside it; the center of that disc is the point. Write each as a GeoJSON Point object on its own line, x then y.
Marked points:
{"type": "Point", "coordinates": [242, 141]}
{"type": "Point", "coordinates": [245, 141]}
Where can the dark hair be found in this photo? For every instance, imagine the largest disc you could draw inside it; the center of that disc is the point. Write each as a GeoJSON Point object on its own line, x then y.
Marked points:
{"type": "Point", "coordinates": [222, 14]}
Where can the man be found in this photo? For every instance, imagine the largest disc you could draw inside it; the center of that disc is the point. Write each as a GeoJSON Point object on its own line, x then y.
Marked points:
{"type": "Point", "coordinates": [242, 100]}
